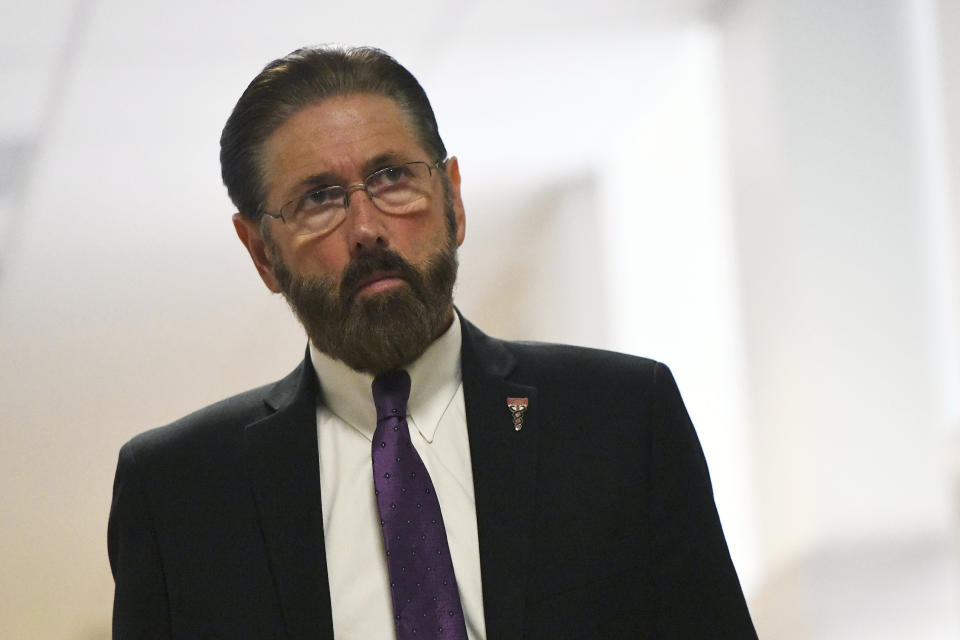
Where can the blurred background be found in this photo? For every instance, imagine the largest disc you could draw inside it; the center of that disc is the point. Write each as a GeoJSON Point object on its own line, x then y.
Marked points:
{"type": "Point", "coordinates": [764, 194]}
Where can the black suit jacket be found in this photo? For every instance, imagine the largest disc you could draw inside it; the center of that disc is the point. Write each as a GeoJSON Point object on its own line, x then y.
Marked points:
{"type": "Point", "coordinates": [595, 520]}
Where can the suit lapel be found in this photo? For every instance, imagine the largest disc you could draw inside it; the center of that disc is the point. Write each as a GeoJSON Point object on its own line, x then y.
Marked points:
{"type": "Point", "coordinates": [504, 465]}
{"type": "Point", "coordinates": [281, 458]}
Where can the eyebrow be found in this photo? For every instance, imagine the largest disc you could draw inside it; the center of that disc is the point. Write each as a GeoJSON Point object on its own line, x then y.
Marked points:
{"type": "Point", "coordinates": [383, 160]}
{"type": "Point", "coordinates": [330, 178]}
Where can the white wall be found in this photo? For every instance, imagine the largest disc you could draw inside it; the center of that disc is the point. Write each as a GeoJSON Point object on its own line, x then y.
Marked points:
{"type": "Point", "coordinates": [846, 299]}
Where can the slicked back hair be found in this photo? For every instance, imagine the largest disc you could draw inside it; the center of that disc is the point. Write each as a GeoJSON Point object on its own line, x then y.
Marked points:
{"type": "Point", "coordinates": [304, 77]}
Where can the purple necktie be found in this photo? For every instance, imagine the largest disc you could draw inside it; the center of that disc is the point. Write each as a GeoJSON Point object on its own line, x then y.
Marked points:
{"type": "Point", "coordinates": [426, 603]}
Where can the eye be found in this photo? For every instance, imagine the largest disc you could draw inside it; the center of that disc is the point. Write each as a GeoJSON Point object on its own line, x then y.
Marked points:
{"type": "Point", "coordinates": [390, 176]}
{"type": "Point", "coordinates": [320, 198]}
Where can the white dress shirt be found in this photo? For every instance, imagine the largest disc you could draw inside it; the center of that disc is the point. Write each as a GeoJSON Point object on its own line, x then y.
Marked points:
{"type": "Point", "coordinates": [346, 420]}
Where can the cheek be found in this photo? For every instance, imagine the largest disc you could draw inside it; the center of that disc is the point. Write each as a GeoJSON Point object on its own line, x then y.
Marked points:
{"type": "Point", "coordinates": [409, 238]}
{"type": "Point", "coordinates": [418, 239]}
{"type": "Point", "coordinates": [324, 257]}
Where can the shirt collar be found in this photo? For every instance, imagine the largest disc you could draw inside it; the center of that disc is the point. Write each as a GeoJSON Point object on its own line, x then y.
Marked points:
{"type": "Point", "coordinates": [434, 380]}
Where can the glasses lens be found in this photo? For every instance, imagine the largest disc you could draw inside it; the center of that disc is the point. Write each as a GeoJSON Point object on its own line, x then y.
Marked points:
{"type": "Point", "coordinates": [316, 211]}
{"type": "Point", "coordinates": [402, 189]}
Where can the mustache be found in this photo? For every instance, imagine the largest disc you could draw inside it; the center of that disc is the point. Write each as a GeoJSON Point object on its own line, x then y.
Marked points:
{"type": "Point", "coordinates": [367, 264]}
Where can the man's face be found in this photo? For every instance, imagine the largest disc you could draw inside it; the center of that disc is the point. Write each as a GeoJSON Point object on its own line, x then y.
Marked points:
{"type": "Point", "coordinates": [377, 289]}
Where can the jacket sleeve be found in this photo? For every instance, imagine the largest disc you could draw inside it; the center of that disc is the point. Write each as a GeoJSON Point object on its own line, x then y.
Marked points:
{"type": "Point", "coordinates": [140, 606]}
{"type": "Point", "coordinates": [696, 587]}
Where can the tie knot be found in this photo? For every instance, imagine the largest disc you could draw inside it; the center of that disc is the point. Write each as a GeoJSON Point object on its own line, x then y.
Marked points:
{"type": "Point", "coordinates": [390, 393]}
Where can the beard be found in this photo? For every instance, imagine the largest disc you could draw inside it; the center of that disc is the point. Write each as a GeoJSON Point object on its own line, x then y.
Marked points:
{"type": "Point", "coordinates": [378, 332]}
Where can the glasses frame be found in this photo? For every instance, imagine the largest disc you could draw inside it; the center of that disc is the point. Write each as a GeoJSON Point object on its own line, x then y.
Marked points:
{"type": "Point", "coordinates": [350, 188]}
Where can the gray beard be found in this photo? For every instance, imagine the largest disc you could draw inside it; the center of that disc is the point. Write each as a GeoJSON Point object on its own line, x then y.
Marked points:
{"type": "Point", "coordinates": [380, 332]}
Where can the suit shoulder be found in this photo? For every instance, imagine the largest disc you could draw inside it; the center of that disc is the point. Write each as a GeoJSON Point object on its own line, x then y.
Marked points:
{"type": "Point", "coordinates": [204, 426]}
{"type": "Point", "coordinates": [584, 361]}
{"type": "Point", "coordinates": [537, 363]}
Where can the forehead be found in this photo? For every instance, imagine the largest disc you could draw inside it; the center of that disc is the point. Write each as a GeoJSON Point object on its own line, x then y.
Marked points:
{"type": "Point", "coordinates": [337, 136]}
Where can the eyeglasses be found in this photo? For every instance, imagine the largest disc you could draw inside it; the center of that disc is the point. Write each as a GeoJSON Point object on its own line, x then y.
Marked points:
{"type": "Point", "coordinates": [398, 190]}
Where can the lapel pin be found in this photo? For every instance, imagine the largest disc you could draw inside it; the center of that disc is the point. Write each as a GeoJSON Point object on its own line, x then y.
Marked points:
{"type": "Point", "coordinates": [517, 407]}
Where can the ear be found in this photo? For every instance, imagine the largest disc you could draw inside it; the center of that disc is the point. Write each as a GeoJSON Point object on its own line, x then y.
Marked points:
{"type": "Point", "coordinates": [453, 172]}
{"type": "Point", "coordinates": [252, 238]}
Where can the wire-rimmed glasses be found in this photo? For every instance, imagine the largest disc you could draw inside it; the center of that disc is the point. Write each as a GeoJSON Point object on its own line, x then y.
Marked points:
{"type": "Point", "coordinates": [398, 190]}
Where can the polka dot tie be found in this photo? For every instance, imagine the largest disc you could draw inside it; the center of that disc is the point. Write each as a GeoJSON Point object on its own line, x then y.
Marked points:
{"type": "Point", "coordinates": [426, 603]}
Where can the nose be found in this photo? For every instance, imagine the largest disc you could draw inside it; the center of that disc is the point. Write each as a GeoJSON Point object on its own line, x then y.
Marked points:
{"type": "Point", "coordinates": [365, 229]}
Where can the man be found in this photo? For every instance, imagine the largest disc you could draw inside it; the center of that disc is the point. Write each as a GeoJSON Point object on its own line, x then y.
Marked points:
{"type": "Point", "coordinates": [412, 478]}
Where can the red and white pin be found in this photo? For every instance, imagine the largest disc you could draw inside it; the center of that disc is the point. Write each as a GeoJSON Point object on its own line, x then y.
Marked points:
{"type": "Point", "coordinates": [518, 407]}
